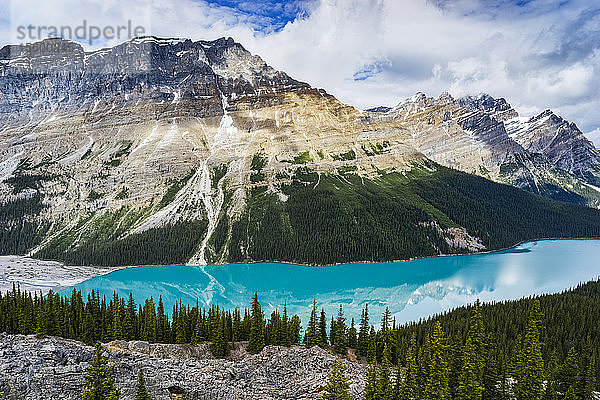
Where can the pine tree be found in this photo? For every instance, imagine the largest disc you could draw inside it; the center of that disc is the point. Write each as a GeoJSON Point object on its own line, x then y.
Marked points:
{"type": "Point", "coordinates": [257, 330]}
{"type": "Point", "coordinates": [409, 389]}
{"type": "Point", "coordinates": [332, 330]}
{"type": "Point", "coordinates": [337, 387]}
{"type": "Point", "coordinates": [372, 346]}
{"type": "Point", "coordinates": [553, 371]}
{"type": "Point", "coordinates": [141, 393]}
{"type": "Point", "coordinates": [218, 344]}
{"type": "Point", "coordinates": [352, 335]}
{"type": "Point", "coordinates": [586, 378]}
{"type": "Point", "coordinates": [340, 333]}
{"type": "Point", "coordinates": [42, 321]}
{"type": "Point", "coordinates": [295, 328]}
{"type": "Point", "coordinates": [284, 330]}
{"type": "Point", "coordinates": [236, 326]}
{"type": "Point", "coordinates": [99, 382]}
{"type": "Point", "coordinates": [322, 339]}
{"type": "Point", "coordinates": [567, 377]}
{"type": "Point", "coordinates": [397, 385]}
{"type": "Point", "coordinates": [162, 334]}
{"type": "Point", "coordinates": [386, 320]}
{"type": "Point", "coordinates": [470, 383]}
{"type": "Point", "coordinates": [362, 343]}
{"type": "Point", "coordinates": [149, 322]}
{"type": "Point", "coordinates": [129, 322]}
{"type": "Point", "coordinates": [530, 367]}
{"type": "Point", "coordinates": [197, 337]}
{"type": "Point", "coordinates": [88, 327]}
{"type": "Point", "coordinates": [181, 326]}
{"type": "Point", "coordinates": [436, 387]}
{"type": "Point", "coordinates": [274, 329]}
{"type": "Point", "coordinates": [384, 389]}
{"type": "Point", "coordinates": [311, 337]}
{"type": "Point", "coordinates": [493, 381]}
{"type": "Point", "coordinates": [370, 391]}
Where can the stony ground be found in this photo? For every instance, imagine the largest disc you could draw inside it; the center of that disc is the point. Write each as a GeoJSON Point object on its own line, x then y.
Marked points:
{"type": "Point", "coordinates": [52, 368]}
{"type": "Point", "coordinates": [35, 275]}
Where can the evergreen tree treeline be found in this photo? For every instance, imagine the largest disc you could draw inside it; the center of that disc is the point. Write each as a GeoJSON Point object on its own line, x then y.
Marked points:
{"type": "Point", "coordinates": [534, 348]}
{"type": "Point", "coordinates": [442, 367]}
{"type": "Point", "coordinates": [97, 319]}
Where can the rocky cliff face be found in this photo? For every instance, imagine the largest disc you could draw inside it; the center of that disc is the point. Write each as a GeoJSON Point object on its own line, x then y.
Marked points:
{"type": "Point", "coordinates": [485, 136]}
{"type": "Point", "coordinates": [156, 132]}
{"type": "Point", "coordinates": [52, 369]}
{"type": "Point", "coordinates": [59, 75]}
{"type": "Point", "coordinates": [560, 141]}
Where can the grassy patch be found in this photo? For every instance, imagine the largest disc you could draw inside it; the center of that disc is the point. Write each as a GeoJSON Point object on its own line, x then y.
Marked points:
{"type": "Point", "coordinates": [123, 151]}
{"type": "Point", "coordinates": [345, 169]}
{"type": "Point", "coordinates": [173, 189]}
{"type": "Point", "coordinates": [375, 148]}
{"type": "Point", "coordinates": [23, 177]}
{"type": "Point", "coordinates": [93, 195]}
{"type": "Point", "coordinates": [303, 158]}
{"type": "Point", "coordinates": [259, 161]}
{"type": "Point", "coordinates": [123, 194]}
{"type": "Point", "coordinates": [347, 156]}
{"type": "Point", "coordinates": [217, 174]}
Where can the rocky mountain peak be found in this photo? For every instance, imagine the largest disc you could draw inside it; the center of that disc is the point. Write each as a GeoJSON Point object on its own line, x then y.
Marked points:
{"type": "Point", "coordinates": [163, 69]}
{"type": "Point", "coordinates": [42, 49]}
{"type": "Point", "coordinates": [379, 109]}
{"type": "Point", "coordinates": [559, 140]}
{"type": "Point", "coordinates": [445, 99]}
{"type": "Point", "coordinates": [499, 108]}
{"type": "Point", "coordinates": [414, 103]}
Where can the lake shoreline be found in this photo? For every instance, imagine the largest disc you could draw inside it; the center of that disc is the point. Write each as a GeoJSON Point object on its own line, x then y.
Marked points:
{"type": "Point", "coordinates": [369, 262]}
{"type": "Point", "coordinates": [56, 280]}
{"type": "Point", "coordinates": [35, 276]}
{"type": "Point", "coordinates": [411, 291]}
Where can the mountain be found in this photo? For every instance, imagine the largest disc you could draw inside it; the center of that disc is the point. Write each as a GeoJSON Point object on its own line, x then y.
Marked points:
{"type": "Point", "coordinates": [559, 141]}
{"type": "Point", "coordinates": [482, 135]}
{"type": "Point", "coordinates": [163, 151]}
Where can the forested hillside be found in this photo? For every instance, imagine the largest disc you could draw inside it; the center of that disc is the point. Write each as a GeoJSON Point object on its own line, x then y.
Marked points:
{"type": "Point", "coordinates": [318, 219]}
{"type": "Point", "coordinates": [338, 218]}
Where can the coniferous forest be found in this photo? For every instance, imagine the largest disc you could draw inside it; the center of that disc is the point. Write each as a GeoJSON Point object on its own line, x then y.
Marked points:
{"type": "Point", "coordinates": [534, 348]}
{"type": "Point", "coordinates": [326, 219]}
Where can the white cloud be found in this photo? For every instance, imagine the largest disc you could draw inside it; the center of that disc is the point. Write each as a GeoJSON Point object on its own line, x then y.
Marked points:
{"type": "Point", "coordinates": [594, 136]}
{"type": "Point", "coordinates": [537, 56]}
{"type": "Point", "coordinates": [573, 82]}
{"type": "Point", "coordinates": [526, 57]}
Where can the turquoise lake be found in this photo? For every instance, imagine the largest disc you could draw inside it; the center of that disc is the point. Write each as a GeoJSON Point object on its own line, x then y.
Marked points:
{"type": "Point", "coordinates": [411, 289]}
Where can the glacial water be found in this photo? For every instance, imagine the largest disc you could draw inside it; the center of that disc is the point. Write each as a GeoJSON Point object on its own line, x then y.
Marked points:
{"type": "Point", "coordinates": [411, 289]}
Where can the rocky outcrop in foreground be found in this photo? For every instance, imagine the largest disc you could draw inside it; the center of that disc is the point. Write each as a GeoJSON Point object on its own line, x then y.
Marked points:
{"type": "Point", "coordinates": [52, 368]}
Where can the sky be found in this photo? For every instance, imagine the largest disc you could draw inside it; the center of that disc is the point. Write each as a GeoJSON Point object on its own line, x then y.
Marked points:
{"type": "Point", "coordinates": [537, 54]}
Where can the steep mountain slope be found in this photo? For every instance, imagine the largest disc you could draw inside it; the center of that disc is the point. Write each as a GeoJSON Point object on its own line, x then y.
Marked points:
{"type": "Point", "coordinates": [172, 151]}
{"type": "Point", "coordinates": [485, 136]}
{"type": "Point", "coordinates": [560, 141]}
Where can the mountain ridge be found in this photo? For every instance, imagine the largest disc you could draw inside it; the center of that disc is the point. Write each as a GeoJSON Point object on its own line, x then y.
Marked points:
{"type": "Point", "coordinates": [173, 141]}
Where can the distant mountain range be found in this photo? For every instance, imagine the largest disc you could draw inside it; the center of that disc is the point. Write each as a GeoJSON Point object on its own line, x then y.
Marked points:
{"type": "Point", "coordinates": [172, 151]}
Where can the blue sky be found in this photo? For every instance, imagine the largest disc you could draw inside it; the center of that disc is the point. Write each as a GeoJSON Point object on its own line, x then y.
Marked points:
{"type": "Point", "coordinates": [536, 53]}
{"type": "Point", "coordinates": [267, 15]}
